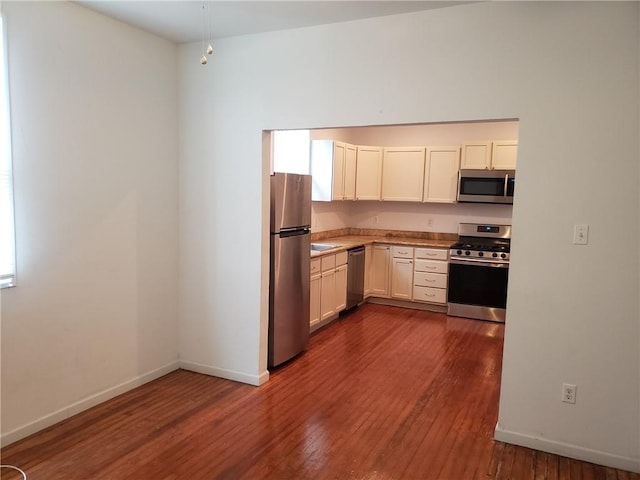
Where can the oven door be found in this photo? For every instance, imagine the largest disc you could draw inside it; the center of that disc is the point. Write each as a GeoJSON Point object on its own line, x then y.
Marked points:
{"type": "Point", "coordinates": [478, 289]}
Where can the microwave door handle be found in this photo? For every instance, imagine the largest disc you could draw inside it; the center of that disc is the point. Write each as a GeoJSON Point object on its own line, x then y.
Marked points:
{"type": "Point", "coordinates": [506, 183]}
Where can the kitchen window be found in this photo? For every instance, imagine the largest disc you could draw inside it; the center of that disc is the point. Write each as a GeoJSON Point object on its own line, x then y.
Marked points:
{"type": "Point", "coordinates": [7, 228]}
{"type": "Point", "coordinates": [291, 151]}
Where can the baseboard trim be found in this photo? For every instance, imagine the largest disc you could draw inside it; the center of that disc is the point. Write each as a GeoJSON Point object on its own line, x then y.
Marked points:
{"type": "Point", "coordinates": [393, 302]}
{"type": "Point", "coordinates": [234, 375]}
{"type": "Point", "coordinates": [568, 450]}
{"type": "Point", "coordinates": [84, 404]}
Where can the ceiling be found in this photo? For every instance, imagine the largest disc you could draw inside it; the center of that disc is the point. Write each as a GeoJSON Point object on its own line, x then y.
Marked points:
{"type": "Point", "coordinates": [182, 21]}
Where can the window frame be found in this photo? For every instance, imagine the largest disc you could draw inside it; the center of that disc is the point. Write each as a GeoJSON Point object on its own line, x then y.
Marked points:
{"type": "Point", "coordinates": [8, 261]}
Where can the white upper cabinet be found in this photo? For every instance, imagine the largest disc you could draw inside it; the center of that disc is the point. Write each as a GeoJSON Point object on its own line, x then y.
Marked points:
{"type": "Point", "coordinates": [476, 155]}
{"type": "Point", "coordinates": [402, 174]}
{"type": "Point", "coordinates": [441, 174]}
{"type": "Point", "coordinates": [329, 164]}
{"type": "Point", "coordinates": [368, 173]}
{"type": "Point", "coordinates": [350, 153]}
{"type": "Point", "coordinates": [498, 155]}
{"type": "Point", "coordinates": [504, 155]}
{"type": "Point", "coordinates": [338, 171]}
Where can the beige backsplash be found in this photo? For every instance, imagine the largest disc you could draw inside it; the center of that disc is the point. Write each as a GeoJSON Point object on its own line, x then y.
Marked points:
{"type": "Point", "coordinates": [340, 232]}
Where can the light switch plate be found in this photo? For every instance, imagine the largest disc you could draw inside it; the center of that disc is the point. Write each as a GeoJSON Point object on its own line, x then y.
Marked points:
{"type": "Point", "coordinates": [580, 234]}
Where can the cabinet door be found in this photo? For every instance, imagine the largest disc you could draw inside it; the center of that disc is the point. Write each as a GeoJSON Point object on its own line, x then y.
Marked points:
{"type": "Point", "coordinates": [368, 258]}
{"type": "Point", "coordinates": [341, 288]}
{"type": "Point", "coordinates": [327, 170]}
{"type": "Point", "coordinates": [504, 154]}
{"type": "Point", "coordinates": [314, 298]}
{"type": "Point", "coordinates": [441, 175]}
{"type": "Point", "coordinates": [476, 155]}
{"type": "Point", "coordinates": [321, 170]}
{"type": "Point", "coordinates": [380, 271]}
{"type": "Point", "coordinates": [368, 173]}
{"type": "Point", "coordinates": [403, 174]}
{"type": "Point", "coordinates": [402, 278]}
{"type": "Point", "coordinates": [349, 172]}
{"type": "Point", "coordinates": [327, 294]}
{"type": "Point", "coordinates": [338, 171]}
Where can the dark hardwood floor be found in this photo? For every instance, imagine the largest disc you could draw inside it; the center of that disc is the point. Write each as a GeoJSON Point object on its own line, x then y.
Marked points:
{"type": "Point", "coordinates": [383, 393]}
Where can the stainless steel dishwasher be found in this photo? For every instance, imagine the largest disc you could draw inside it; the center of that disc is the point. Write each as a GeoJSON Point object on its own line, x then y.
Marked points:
{"type": "Point", "coordinates": [355, 277]}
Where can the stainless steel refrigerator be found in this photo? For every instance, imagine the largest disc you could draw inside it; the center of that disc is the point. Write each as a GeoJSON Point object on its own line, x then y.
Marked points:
{"type": "Point", "coordinates": [290, 264]}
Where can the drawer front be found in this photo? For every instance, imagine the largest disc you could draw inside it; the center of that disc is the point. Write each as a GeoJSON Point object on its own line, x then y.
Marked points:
{"type": "Point", "coordinates": [341, 258]}
{"type": "Point", "coordinates": [315, 266]}
{"type": "Point", "coordinates": [398, 251]}
{"type": "Point", "coordinates": [328, 262]}
{"type": "Point", "coordinates": [432, 253]}
{"type": "Point", "coordinates": [431, 266]}
{"type": "Point", "coordinates": [426, 279]}
{"type": "Point", "coordinates": [431, 295]}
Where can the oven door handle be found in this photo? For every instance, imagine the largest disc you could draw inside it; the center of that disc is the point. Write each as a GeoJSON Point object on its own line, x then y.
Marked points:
{"type": "Point", "coordinates": [480, 263]}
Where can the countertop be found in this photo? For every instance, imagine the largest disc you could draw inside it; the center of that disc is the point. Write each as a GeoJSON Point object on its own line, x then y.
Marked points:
{"type": "Point", "coordinates": [349, 241]}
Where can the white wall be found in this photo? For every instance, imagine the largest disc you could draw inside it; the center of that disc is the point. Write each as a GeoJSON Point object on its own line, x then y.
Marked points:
{"type": "Point", "coordinates": [567, 71]}
{"type": "Point", "coordinates": [95, 144]}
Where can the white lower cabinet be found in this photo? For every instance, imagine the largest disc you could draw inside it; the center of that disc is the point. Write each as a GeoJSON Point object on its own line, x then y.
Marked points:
{"type": "Point", "coordinates": [314, 293]}
{"type": "Point", "coordinates": [430, 275]}
{"type": "Point", "coordinates": [398, 272]}
{"type": "Point", "coordinates": [328, 295]}
{"type": "Point", "coordinates": [401, 272]}
{"type": "Point", "coordinates": [380, 270]}
{"type": "Point", "coordinates": [341, 288]}
{"type": "Point", "coordinates": [368, 254]}
{"type": "Point", "coordinates": [314, 299]}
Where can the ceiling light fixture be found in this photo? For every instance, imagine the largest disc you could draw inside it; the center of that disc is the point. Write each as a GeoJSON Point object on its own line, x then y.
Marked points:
{"type": "Point", "coordinates": [206, 26]}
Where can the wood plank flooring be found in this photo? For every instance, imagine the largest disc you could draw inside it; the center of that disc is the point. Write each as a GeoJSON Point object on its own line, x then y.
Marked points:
{"type": "Point", "coordinates": [382, 393]}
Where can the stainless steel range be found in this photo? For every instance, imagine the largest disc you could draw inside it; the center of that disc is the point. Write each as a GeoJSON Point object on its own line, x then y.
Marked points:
{"type": "Point", "coordinates": [479, 272]}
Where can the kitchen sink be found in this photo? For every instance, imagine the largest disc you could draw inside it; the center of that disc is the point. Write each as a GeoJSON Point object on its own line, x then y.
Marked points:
{"type": "Point", "coordinates": [319, 247]}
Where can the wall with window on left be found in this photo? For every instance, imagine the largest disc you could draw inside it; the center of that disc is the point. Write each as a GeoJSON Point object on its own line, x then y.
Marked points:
{"type": "Point", "coordinates": [95, 147]}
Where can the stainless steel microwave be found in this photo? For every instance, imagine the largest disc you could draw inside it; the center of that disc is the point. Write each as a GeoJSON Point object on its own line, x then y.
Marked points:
{"type": "Point", "coordinates": [486, 186]}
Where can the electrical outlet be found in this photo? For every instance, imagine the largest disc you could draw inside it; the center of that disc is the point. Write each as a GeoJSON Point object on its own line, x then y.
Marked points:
{"type": "Point", "coordinates": [580, 234]}
{"type": "Point", "coordinates": [568, 393]}
{"type": "Point", "coordinates": [429, 221]}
